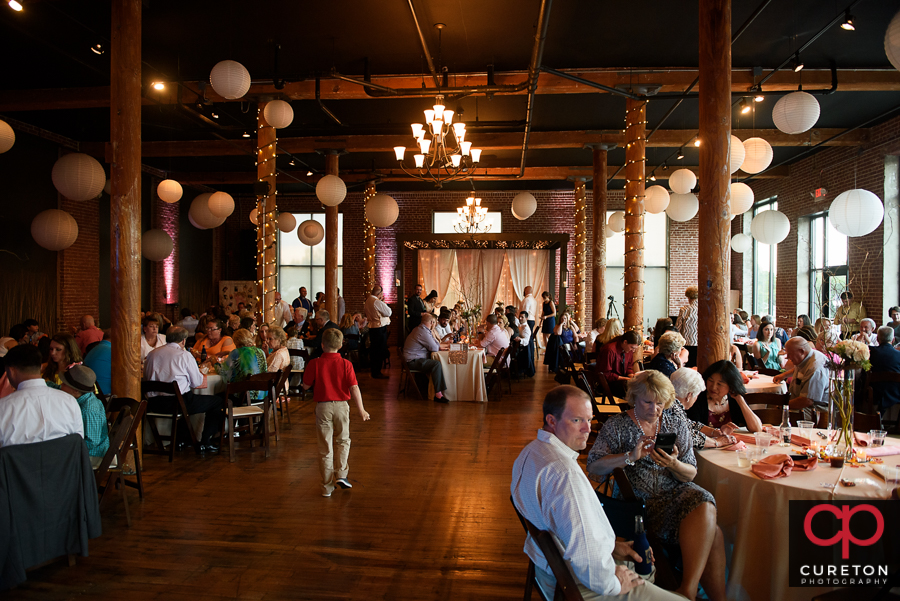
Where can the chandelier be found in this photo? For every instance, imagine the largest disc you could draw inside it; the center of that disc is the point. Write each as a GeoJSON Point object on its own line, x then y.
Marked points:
{"type": "Point", "coordinates": [470, 217]}
{"type": "Point", "coordinates": [444, 154]}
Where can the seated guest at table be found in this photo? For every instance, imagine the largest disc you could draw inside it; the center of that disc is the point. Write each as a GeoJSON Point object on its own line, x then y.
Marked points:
{"type": "Point", "coordinates": [738, 327]}
{"type": "Point", "coordinates": [808, 333]}
{"type": "Point", "coordinates": [87, 334]}
{"type": "Point", "coordinates": [261, 341]}
{"type": "Point", "coordinates": [512, 318]}
{"type": "Point", "coordinates": [216, 343]}
{"type": "Point", "coordinates": [866, 333]}
{"type": "Point", "coordinates": [188, 321]}
{"type": "Point", "coordinates": [668, 356]}
{"type": "Point", "coordinates": [278, 356]}
{"type": "Point", "coordinates": [886, 359]}
{"type": "Point", "coordinates": [173, 363]}
{"type": "Point", "coordinates": [802, 320]}
{"type": "Point", "coordinates": [612, 330]}
{"type": "Point", "coordinates": [688, 385]}
{"type": "Point", "coordinates": [232, 325]}
{"type": "Point", "coordinates": [443, 331]}
{"type": "Point", "coordinates": [17, 335]}
{"type": "Point", "coordinates": [35, 412]}
{"type": "Point", "coordinates": [350, 331]}
{"type": "Point", "coordinates": [417, 349]}
{"type": "Point", "coordinates": [678, 511]}
{"type": "Point", "coordinates": [615, 360]}
{"type": "Point", "coordinates": [722, 406]}
{"type": "Point", "coordinates": [34, 334]}
{"type": "Point", "coordinates": [151, 338]}
{"type": "Point", "coordinates": [99, 359]}
{"type": "Point", "coordinates": [849, 315]}
{"type": "Point", "coordinates": [663, 325]}
{"type": "Point", "coordinates": [550, 490]}
{"type": "Point", "coordinates": [323, 322]}
{"type": "Point", "coordinates": [79, 382]}
{"type": "Point", "coordinates": [244, 361]}
{"type": "Point", "coordinates": [810, 376]}
{"type": "Point", "coordinates": [567, 330]}
{"type": "Point", "coordinates": [767, 347]}
{"type": "Point", "coordinates": [63, 353]}
{"type": "Point", "coordinates": [493, 340]}
{"type": "Point", "coordinates": [596, 332]}
{"type": "Point", "coordinates": [894, 314]}
{"type": "Point", "coordinates": [753, 327]}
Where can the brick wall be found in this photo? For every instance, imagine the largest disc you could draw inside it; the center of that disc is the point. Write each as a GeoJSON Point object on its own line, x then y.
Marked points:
{"type": "Point", "coordinates": [164, 275]}
{"type": "Point", "coordinates": [77, 267]}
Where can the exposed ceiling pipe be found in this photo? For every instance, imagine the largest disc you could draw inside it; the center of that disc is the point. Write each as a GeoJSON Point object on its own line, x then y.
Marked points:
{"type": "Point", "coordinates": [322, 105]}
{"type": "Point", "coordinates": [534, 72]}
{"type": "Point", "coordinates": [591, 84]}
{"type": "Point", "coordinates": [434, 74]}
{"type": "Point", "coordinates": [379, 91]}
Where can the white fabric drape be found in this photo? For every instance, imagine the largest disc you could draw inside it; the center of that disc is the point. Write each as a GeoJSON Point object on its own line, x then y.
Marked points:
{"type": "Point", "coordinates": [491, 268]}
{"type": "Point", "coordinates": [436, 268]}
{"type": "Point", "coordinates": [528, 268]}
{"type": "Point", "coordinates": [470, 282]}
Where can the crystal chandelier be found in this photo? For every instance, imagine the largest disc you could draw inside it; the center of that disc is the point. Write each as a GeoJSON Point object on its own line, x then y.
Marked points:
{"type": "Point", "coordinates": [444, 154]}
{"type": "Point", "coordinates": [470, 217]}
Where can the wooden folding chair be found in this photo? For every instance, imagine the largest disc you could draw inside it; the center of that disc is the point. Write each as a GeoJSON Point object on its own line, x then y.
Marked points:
{"type": "Point", "coordinates": [272, 379]}
{"type": "Point", "coordinates": [504, 369]}
{"type": "Point", "coordinates": [768, 399]}
{"type": "Point", "coordinates": [407, 374]}
{"type": "Point", "coordinates": [599, 384]}
{"type": "Point", "coordinates": [137, 409]}
{"type": "Point", "coordinates": [302, 353]}
{"type": "Point", "coordinates": [179, 412]}
{"type": "Point", "coordinates": [492, 376]}
{"type": "Point", "coordinates": [107, 477]}
{"type": "Point", "coordinates": [261, 410]}
{"type": "Point", "coordinates": [874, 394]}
{"type": "Point", "coordinates": [602, 409]}
{"type": "Point", "coordinates": [282, 398]}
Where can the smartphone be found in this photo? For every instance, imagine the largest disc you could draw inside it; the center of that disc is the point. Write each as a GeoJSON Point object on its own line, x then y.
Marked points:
{"type": "Point", "coordinates": [665, 441]}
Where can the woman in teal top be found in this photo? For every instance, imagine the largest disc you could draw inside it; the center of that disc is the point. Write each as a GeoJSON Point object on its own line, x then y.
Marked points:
{"type": "Point", "coordinates": [244, 361]}
{"type": "Point", "coordinates": [768, 346]}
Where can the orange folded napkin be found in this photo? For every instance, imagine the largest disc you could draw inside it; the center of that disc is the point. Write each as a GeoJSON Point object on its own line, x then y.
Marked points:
{"type": "Point", "coordinates": [800, 441]}
{"type": "Point", "coordinates": [735, 446]}
{"type": "Point", "coordinates": [805, 465]}
{"type": "Point", "coordinates": [773, 466]}
{"type": "Point", "coordinates": [745, 438]}
{"type": "Point", "coordinates": [883, 451]}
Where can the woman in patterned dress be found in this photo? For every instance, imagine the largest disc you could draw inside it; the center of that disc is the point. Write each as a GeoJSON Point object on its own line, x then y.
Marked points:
{"type": "Point", "coordinates": [678, 511]}
{"type": "Point", "coordinates": [244, 361]}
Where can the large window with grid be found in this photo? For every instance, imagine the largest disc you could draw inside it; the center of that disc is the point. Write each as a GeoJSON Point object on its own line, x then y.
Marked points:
{"type": "Point", "coordinates": [656, 272]}
{"type": "Point", "coordinates": [827, 266]}
{"type": "Point", "coordinates": [302, 265]}
{"type": "Point", "coordinates": [765, 267]}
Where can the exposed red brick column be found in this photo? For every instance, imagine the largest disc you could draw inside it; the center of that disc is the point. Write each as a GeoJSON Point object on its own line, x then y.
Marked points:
{"type": "Point", "coordinates": [164, 275]}
{"type": "Point", "coordinates": [76, 273]}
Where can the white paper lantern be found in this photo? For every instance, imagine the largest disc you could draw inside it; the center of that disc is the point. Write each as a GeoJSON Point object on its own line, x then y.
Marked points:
{"type": "Point", "coordinates": [682, 181]}
{"type": "Point", "coordinates": [741, 198]}
{"type": "Point", "coordinates": [796, 113]}
{"type": "Point", "coordinates": [524, 205]}
{"type": "Point", "coordinates": [616, 222]}
{"type": "Point", "coordinates": [310, 232]}
{"type": "Point", "coordinates": [195, 224]}
{"type": "Point", "coordinates": [287, 222]}
{"type": "Point", "coordinates": [7, 137]}
{"type": "Point", "coordinates": [609, 232]}
{"type": "Point", "coordinates": [54, 229]}
{"type": "Point", "coordinates": [278, 114]}
{"type": "Point", "coordinates": [856, 213]}
{"type": "Point", "coordinates": [253, 216]}
{"type": "Point", "coordinates": [736, 158]}
{"type": "Point", "coordinates": [382, 210]}
{"type": "Point", "coordinates": [758, 155]}
{"type": "Point", "coordinates": [202, 216]}
{"type": "Point", "coordinates": [741, 243]}
{"type": "Point", "coordinates": [770, 227]}
{"type": "Point", "coordinates": [331, 190]}
{"type": "Point", "coordinates": [892, 41]}
{"type": "Point", "coordinates": [656, 199]}
{"type": "Point", "coordinates": [230, 79]}
{"type": "Point", "coordinates": [169, 190]}
{"type": "Point", "coordinates": [682, 207]}
{"type": "Point", "coordinates": [107, 187]}
{"type": "Point", "coordinates": [156, 245]}
{"type": "Point", "coordinates": [221, 204]}
{"type": "Point", "coordinates": [78, 176]}
{"type": "Point", "coordinates": [513, 211]}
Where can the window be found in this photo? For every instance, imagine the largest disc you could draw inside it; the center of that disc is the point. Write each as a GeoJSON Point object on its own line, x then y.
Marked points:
{"type": "Point", "coordinates": [302, 265]}
{"type": "Point", "coordinates": [827, 267]}
{"type": "Point", "coordinates": [656, 244]}
{"type": "Point", "coordinates": [765, 267]}
{"type": "Point", "coordinates": [442, 222]}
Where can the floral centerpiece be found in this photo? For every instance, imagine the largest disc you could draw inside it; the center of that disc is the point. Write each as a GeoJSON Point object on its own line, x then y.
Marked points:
{"type": "Point", "coordinates": [843, 359]}
{"type": "Point", "coordinates": [471, 315]}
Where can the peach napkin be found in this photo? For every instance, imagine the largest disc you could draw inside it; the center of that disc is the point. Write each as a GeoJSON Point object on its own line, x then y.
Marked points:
{"type": "Point", "coordinates": [883, 451]}
{"type": "Point", "coordinates": [745, 438]}
{"type": "Point", "coordinates": [800, 441]}
{"type": "Point", "coordinates": [736, 446]}
{"type": "Point", "coordinates": [773, 466]}
{"type": "Point", "coordinates": [806, 465]}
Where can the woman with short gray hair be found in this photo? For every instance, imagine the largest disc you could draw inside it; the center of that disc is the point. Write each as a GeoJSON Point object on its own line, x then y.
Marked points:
{"type": "Point", "coordinates": [668, 354]}
{"type": "Point", "coordinates": [688, 386]}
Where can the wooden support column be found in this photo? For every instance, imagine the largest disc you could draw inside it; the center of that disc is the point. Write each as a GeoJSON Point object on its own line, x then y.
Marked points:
{"type": "Point", "coordinates": [125, 202]}
{"type": "Point", "coordinates": [713, 329]}
{"type": "Point", "coordinates": [598, 281]}
{"type": "Point", "coordinates": [635, 141]}
{"type": "Point", "coordinates": [266, 218]}
{"type": "Point", "coordinates": [580, 248]}
{"type": "Point", "coordinates": [371, 242]}
{"type": "Point", "coordinates": [331, 245]}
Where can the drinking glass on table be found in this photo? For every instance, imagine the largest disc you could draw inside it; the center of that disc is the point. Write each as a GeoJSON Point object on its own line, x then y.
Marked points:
{"type": "Point", "coordinates": [755, 454]}
{"type": "Point", "coordinates": [806, 429]}
{"type": "Point", "coordinates": [743, 457]}
{"type": "Point", "coordinates": [876, 438]}
{"type": "Point", "coordinates": [891, 477]}
{"type": "Point", "coordinates": [763, 440]}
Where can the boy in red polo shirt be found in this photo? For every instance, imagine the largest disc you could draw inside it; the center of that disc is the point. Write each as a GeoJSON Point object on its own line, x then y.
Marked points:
{"type": "Point", "coordinates": [335, 383]}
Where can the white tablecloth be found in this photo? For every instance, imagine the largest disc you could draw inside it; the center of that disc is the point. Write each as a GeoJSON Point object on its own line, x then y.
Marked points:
{"type": "Point", "coordinates": [214, 385]}
{"type": "Point", "coordinates": [464, 382]}
{"type": "Point", "coordinates": [763, 383]}
{"type": "Point", "coordinates": [753, 515]}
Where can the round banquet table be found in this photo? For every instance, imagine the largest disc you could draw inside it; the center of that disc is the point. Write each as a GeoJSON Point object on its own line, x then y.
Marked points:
{"type": "Point", "coordinates": [753, 515]}
{"type": "Point", "coordinates": [465, 382]}
{"type": "Point", "coordinates": [214, 385]}
{"type": "Point", "coordinates": [763, 383]}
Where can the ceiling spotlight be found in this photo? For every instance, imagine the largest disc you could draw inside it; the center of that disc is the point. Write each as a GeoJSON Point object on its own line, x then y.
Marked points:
{"type": "Point", "coordinates": [759, 98]}
{"type": "Point", "coordinates": [847, 25]}
{"type": "Point", "coordinates": [309, 174]}
{"type": "Point", "coordinates": [158, 85]}
{"type": "Point", "coordinates": [745, 106]}
{"type": "Point", "coordinates": [97, 49]}
{"type": "Point", "coordinates": [652, 177]}
{"type": "Point", "coordinates": [292, 162]}
{"type": "Point", "coordinates": [214, 115]}
{"type": "Point", "coordinates": [680, 153]}
{"type": "Point", "coordinates": [796, 63]}
{"type": "Point", "coordinates": [16, 6]}
{"type": "Point", "coordinates": [697, 142]}
{"type": "Point", "coordinates": [245, 135]}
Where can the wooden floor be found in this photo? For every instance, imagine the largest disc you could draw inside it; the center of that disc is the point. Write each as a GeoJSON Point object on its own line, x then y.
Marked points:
{"type": "Point", "coordinates": [428, 516]}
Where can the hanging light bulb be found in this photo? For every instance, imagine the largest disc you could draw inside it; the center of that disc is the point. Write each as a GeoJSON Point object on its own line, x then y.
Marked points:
{"type": "Point", "coordinates": [399, 151]}
{"type": "Point", "coordinates": [476, 154]}
{"type": "Point", "coordinates": [417, 130]}
{"type": "Point", "coordinates": [448, 116]}
{"type": "Point", "coordinates": [464, 148]}
{"type": "Point", "coordinates": [420, 160]}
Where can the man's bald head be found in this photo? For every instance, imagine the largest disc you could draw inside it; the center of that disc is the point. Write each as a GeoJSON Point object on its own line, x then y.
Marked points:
{"type": "Point", "coordinates": [797, 349]}
{"type": "Point", "coordinates": [87, 321]}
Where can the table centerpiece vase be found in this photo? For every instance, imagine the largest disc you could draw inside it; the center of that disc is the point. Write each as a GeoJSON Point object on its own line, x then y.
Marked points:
{"type": "Point", "coordinates": [843, 360]}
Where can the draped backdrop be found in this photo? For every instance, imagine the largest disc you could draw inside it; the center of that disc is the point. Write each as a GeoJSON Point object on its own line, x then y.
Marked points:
{"type": "Point", "coordinates": [483, 276]}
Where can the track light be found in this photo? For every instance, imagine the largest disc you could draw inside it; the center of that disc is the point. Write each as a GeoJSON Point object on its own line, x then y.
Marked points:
{"type": "Point", "coordinates": [847, 25]}
{"type": "Point", "coordinates": [309, 174]}
{"type": "Point", "coordinates": [745, 106]}
{"type": "Point", "coordinates": [214, 115]}
{"type": "Point", "coordinates": [16, 6]}
{"type": "Point", "coordinates": [245, 135]}
{"type": "Point", "coordinates": [653, 177]}
{"type": "Point", "coordinates": [97, 49]}
{"type": "Point", "coordinates": [292, 162]}
{"type": "Point", "coordinates": [759, 97]}
{"type": "Point", "coordinates": [680, 153]}
{"type": "Point", "coordinates": [697, 142]}
{"type": "Point", "coordinates": [158, 85]}
{"type": "Point", "coordinates": [796, 63]}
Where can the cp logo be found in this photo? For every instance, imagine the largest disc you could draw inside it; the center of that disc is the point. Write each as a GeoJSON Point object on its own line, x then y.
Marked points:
{"type": "Point", "coordinates": [844, 514]}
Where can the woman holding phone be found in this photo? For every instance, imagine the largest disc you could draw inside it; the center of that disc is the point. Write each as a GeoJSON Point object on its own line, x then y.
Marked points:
{"type": "Point", "coordinates": [678, 511]}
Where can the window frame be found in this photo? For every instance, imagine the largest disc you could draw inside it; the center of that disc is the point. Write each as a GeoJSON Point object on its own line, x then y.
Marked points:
{"type": "Point", "coordinates": [310, 266]}
{"type": "Point", "coordinates": [822, 308]}
{"type": "Point", "coordinates": [769, 204]}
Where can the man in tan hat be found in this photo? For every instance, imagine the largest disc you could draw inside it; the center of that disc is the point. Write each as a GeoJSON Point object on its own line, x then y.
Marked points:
{"type": "Point", "coordinates": [78, 381]}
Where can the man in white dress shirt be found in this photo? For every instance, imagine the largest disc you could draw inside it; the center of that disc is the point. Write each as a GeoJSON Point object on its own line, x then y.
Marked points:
{"type": "Point", "coordinates": [379, 316]}
{"type": "Point", "coordinates": [551, 491]}
{"type": "Point", "coordinates": [282, 311]}
{"type": "Point", "coordinates": [34, 412]}
{"type": "Point", "coordinates": [494, 339]}
{"type": "Point", "coordinates": [442, 329]}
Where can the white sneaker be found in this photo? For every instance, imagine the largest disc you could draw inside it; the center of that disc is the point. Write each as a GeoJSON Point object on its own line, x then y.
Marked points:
{"type": "Point", "coordinates": [327, 494]}
{"type": "Point", "coordinates": [344, 483]}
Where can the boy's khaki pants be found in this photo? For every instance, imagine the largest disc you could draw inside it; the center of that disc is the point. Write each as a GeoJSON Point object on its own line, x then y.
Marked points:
{"type": "Point", "coordinates": [333, 421]}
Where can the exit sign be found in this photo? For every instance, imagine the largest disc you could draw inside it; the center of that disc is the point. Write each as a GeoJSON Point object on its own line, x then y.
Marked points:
{"type": "Point", "coordinates": [820, 193]}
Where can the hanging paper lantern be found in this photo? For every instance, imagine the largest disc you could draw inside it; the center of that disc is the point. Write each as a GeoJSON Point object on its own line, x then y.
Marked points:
{"type": "Point", "coordinates": [278, 114]}
{"type": "Point", "coordinates": [523, 206]}
{"type": "Point", "coordinates": [78, 176]}
{"type": "Point", "coordinates": [770, 227]}
{"type": "Point", "coordinates": [195, 224]}
{"type": "Point", "coordinates": [7, 137]}
{"type": "Point", "coordinates": [202, 216]}
{"type": "Point", "coordinates": [513, 211]}
{"type": "Point", "coordinates": [758, 155]}
{"type": "Point", "coordinates": [737, 154]}
{"type": "Point", "coordinates": [156, 245]}
{"type": "Point", "coordinates": [741, 198]}
{"type": "Point", "coordinates": [54, 229]}
{"type": "Point", "coordinates": [169, 190]}
{"type": "Point", "coordinates": [796, 113]}
{"type": "Point", "coordinates": [656, 199]}
{"type": "Point", "coordinates": [287, 222]}
{"type": "Point", "coordinates": [741, 243]}
{"type": "Point", "coordinates": [856, 213]}
{"type": "Point", "coordinates": [682, 207]}
{"type": "Point", "coordinates": [253, 216]}
{"type": "Point", "coordinates": [221, 204]}
{"type": "Point", "coordinates": [331, 190]}
{"type": "Point", "coordinates": [609, 232]}
{"type": "Point", "coordinates": [682, 181]}
{"type": "Point", "coordinates": [230, 79]}
{"type": "Point", "coordinates": [310, 232]}
{"type": "Point", "coordinates": [892, 41]}
{"type": "Point", "coordinates": [616, 222]}
{"type": "Point", "coordinates": [107, 187]}
{"type": "Point", "coordinates": [382, 210]}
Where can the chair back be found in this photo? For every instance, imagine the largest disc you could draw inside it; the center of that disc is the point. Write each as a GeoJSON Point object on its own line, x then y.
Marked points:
{"type": "Point", "coordinates": [299, 352]}
{"type": "Point", "coordinates": [493, 375]}
{"type": "Point", "coordinates": [774, 415]}
{"type": "Point", "coordinates": [262, 382]}
{"type": "Point", "coordinates": [283, 379]}
{"type": "Point", "coordinates": [767, 398]}
{"type": "Point", "coordinates": [118, 434]}
{"type": "Point", "coordinates": [863, 422]}
{"type": "Point", "coordinates": [599, 384]}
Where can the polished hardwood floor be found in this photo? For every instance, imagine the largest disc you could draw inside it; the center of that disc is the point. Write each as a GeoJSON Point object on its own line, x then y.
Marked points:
{"type": "Point", "coordinates": [428, 516]}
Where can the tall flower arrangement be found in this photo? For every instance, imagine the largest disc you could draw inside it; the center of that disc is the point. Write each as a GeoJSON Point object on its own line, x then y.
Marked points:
{"type": "Point", "coordinates": [843, 359]}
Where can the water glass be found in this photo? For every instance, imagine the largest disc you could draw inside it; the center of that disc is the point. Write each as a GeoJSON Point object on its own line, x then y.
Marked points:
{"type": "Point", "coordinates": [755, 454]}
{"type": "Point", "coordinates": [891, 476]}
{"type": "Point", "coordinates": [763, 440]}
{"type": "Point", "coordinates": [743, 457]}
{"type": "Point", "coordinates": [806, 429]}
{"type": "Point", "coordinates": [876, 438]}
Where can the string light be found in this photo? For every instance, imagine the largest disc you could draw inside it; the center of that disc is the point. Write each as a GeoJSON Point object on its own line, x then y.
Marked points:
{"type": "Point", "coordinates": [267, 222]}
{"type": "Point", "coordinates": [635, 134]}
{"type": "Point", "coordinates": [371, 241]}
{"type": "Point", "coordinates": [580, 220]}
